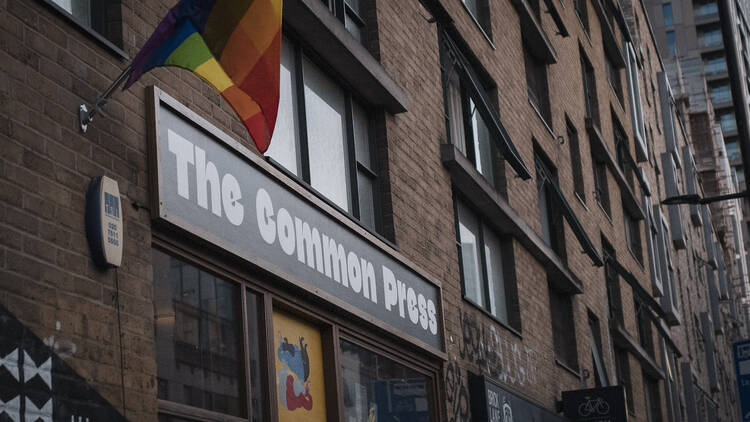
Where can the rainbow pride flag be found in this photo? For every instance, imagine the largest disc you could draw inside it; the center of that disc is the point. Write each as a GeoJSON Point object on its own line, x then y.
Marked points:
{"type": "Point", "coordinates": [234, 45]}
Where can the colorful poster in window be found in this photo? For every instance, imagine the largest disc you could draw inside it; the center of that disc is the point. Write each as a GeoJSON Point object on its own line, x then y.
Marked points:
{"type": "Point", "coordinates": [299, 370]}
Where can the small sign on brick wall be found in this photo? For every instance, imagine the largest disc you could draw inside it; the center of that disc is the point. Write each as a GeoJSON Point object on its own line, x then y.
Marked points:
{"type": "Point", "coordinates": [104, 222]}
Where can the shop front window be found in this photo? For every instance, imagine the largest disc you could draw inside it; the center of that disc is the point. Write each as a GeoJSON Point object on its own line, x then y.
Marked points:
{"type": "Point", "coordinates": [376, 388]}
{"type": "Point", "coordinates": [322, 137]}
{"type": "Point", "coordinates": [199, 342]}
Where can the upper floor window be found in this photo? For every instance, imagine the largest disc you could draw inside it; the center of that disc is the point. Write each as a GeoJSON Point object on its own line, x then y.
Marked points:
{"type": "Point", "coordinates": [613, 76]}
{"type": "Point", "coordinates": [727, 121]}
{"type": "Point", "coordinates": [583, 14]}
{"type": "Point", "coordinates": [550, 213]}
{"type": "Point", "coordinates": [480, 12]}
{"type": "Point", "coordinates": [710, 36]}
{"type": "Point", "coordinates": [575, 157]}
{"type": "Point", "coordinates": [601, 185]}
{"type": "Point", "coordinates": [705, 7]}
{"type": "Point", "coordinates": [622, 151]}
{"type": "Point", "coordinates": [481, 253]}
{"type": "Point", "coordinates": [720, 93]}
{"type": "Point", "coordinates": [715, 64]}
{"type": "Point", "coordinates": [563, 328]}
{"type": "Point", "coordinates": [589, 90]}
{"type": "Point", "coordinates": [350, 13]}
{"type": "Point", "coordinates": [633, 235]}
{"type": "Point", "coordinates": [536, 84]}
{"type": "Point", "coordinates": [102, 17]}
{"type": "Point", "coordinates": [667, 9]}
{"type": "Point", "coordinates": [671, 43]}
{"type": "Point", "coordinates": [323, 137]}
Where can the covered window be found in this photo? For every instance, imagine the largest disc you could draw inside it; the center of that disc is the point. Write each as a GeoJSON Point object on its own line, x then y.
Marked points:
{"type": "Point", "coordinates": [483, 275]}
{"type": "Point", "coordinates": [575, 157]}
{"type": "Point", "coordinates": [200, 353]}
{"type": "Point", "coordinates": [536, 84]}
{"type": "Point", "coordinates": [323, 137]}
{"type": "Point", "coordinates": [100, 17]}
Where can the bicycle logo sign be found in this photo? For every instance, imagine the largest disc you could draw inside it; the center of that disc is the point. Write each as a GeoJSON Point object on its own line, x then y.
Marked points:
{"type": "Point", "coordinates": [593, 406]}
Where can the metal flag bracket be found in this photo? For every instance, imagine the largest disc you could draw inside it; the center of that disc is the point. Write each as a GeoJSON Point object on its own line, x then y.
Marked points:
{"type": "Point", "coordinates": [86, 115]}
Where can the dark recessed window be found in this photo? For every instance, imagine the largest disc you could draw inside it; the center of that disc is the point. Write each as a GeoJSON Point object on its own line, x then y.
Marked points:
{"type": "Point", "coordinates": [613, 76]}
{"type": "Point", "coordinates": [323, 137]}
{"type": "Point", "coordinates": [575, 159]}
{"type": "Point", "coordinates": [601, 378]}
{"type": "Point", "coordinates": [484, 278]}
{"type": "Point", "coordinates": [601, 184]}
{"type": "Point", "coordinates": [589, 90]}
{"type": "Point", "coordinates": [581, 8]}
{"type": "Point", "coordinates": [704, 8]}
{"type": "Point", "coordinates": [671, 43]}
{"type": "Point", "coordinates": [622, 365]}
{"type": "Point", "coordinates": [653, 399]}
{"type": "Point", "coordinates": [667, 9]}
{"type": "Point", "coordinates": [536, 84]}
{"type": "Point", "coordinates": [643, 326]}
{"type": "Point", "coordinates": [480, 12]}
{"type": "Point", "coordinates": [563, 328]}
{"type": "Point", "coordinates": [350, 13]}
{"type": "Point", "coordinates": [633, 234]}
{"type": "Point", "coordinates": [100, 16]}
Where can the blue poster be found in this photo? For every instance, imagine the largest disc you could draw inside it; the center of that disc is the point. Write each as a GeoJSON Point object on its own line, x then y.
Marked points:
{"type": "Point", "coordinates": [742, 366]}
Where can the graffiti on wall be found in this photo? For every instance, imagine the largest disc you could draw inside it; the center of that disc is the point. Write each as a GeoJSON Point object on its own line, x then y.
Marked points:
{"type": "Point", "coordinates": [495, 355]}
{"type": "Point", "coordinates": [37, 385]}
{"type": "Point", "coordinates": [457, 393]}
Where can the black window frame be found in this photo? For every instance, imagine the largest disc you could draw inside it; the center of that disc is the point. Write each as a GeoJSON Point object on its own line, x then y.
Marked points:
{"type": "Point", "coordinates": [633, 237]}
{"type": "Point", "coordinates": [581, 9]}
{"type": "Point", "coordinates": [481, 17]}
{"type": "Point", "coordinates": [591, 100]}
{"type": "Point", "coordinates": [562, 316]}
{"type": "Point", "coordinates": [601, 185]}
{"type": "Point", "coordinates": [546, 174]}
{"type": "Point", "coordinates": [345, 13]}
{"type": "Point", "coordinates": [354, 166]}
{"type": "Point", "coordinates": [574, 145]}
{"type": "Point", "coordinates": [106, 26]}
{"type": "Point", "coordinates": [622, 366]}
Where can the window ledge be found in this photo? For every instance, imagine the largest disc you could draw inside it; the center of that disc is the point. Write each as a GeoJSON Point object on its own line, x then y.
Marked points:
{"type": "Point", "coordinates": [533, 32]}
{"type": "Point", "coordinates": [599, 148]}
{"type": "Point", "coordinates": [583, 203]}
{"type": "Point", "coordinates": [88, 30]}
{"type": "Point", "coordinates": [622, 339]}
{"type": "Point", "coordinates": [566, 367]}
{"type": "Point", "coordinates": [507, 221]}
{"type": "Point", "coordinates": [315, 24]}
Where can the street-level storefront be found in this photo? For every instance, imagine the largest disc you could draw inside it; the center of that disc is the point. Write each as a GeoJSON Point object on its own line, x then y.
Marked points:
{"type": "Point", "coordinates": [269, 304]}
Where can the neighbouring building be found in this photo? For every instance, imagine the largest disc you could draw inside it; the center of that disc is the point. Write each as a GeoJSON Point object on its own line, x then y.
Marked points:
{"type": "Point", "coordinates": [459, 218]}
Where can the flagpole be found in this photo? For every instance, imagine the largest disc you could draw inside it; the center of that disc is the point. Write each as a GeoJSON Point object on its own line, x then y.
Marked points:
{"type": "Point", "coordinates": [85, 116]}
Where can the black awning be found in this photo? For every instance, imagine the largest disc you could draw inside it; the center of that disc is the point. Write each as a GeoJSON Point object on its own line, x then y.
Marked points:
{"type": "Point", "coordinates": [482, 101]}
{"type": "Point", "coordinates": [575, 225]}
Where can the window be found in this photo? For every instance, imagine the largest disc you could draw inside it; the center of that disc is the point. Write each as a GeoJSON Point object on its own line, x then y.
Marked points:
{"type": "Point", "coordinates": [589, 90]}
{"type": "Point", "coordinates": [323, 137]}
{"type": "Point", "coordinates": [622, 365]}
{"type": "Point", "coordinates": [582, 11]}
{"type": "Point", "coordinates": [613, 76]}
{"type": "Point", "coordinates": [553, 231]}
{"type": "Point", "coordinates": [468, 130]}
{"type": "Point", "coordinates": [601, 185]}
{"type": "Point", "coordinates": [643, 326]}
{"type": "Point", "coordinates": [350, 13]}
{"type": "Point", "coordinates": [705, 8]}
{"type": "Point", "coordinates": [600, 371]}
{"type": "Point", "coordinates": [667, 9]}
{"type": "Point", "coordinates": [199, 340]}
{"type": "Point", "coordinates": [633, 234]}
{"type": "Point", "coordinates": [726, 121]}
{"type": "Point", "coordinates": [720, 93]}
{"type": "Point", "coordinates": [622, 150]}
{"type": "Point", "coordinates": [536, 84]}
{"type": "Point", "coordinates": [709, 37]}
{"type": "Point", "coordinates": [671, 49]}
{"type": "Point", "coordinates": [715, 65]}
{"type": "Point", "coordinates": [103, 17]}
{"type": "Point", "coordinates": [636, 105]}
{"type": "Point", "coordinates": [575, 159]}
{"type": "Point", "coordinates": [563, 328]}
{"type": "Point", "coordinates": [480, 12]}
{"type": "Point", "coordinates": [378, 388]}
{"type": "Point", "coordinates": [612, 280]}
{"type": "Point", "coordinates": [481, 253]}
{"type": "Point", "coordinates": [733, 152]}
{"type": "Point", "coordinates": [653, 399]}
